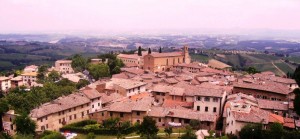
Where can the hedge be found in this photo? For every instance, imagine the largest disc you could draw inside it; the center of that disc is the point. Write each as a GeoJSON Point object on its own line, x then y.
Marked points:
{"type": "Point", "coordinates": [78, 128]}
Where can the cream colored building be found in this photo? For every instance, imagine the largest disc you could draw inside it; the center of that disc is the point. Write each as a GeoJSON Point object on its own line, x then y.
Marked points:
{"type": "Point", "coordinates": [5, 83]}
{"type": "Point", "coordinates": [31, 68]}
{"type": "Point", "coordinates": [16, 81]}
{"type": "Point", "coordinates": [64, 66]}
{"type": "Point", "coordinates": [157, 62]}
{"type": "Point", "coordinates": [64, 110]}
{"type": "Point", "coordinates": [29, 78]}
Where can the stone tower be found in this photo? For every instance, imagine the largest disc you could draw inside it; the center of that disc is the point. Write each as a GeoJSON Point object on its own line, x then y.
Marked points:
{"type": "Point", "coordinates": [187, 58]}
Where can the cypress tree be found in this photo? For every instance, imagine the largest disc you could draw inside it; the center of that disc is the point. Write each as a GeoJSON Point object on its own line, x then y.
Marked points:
{"type": "Point", "coordinates": [159, 49]}
{"type": "Point", "coordinates": [149, 51]}
{"type": "Point", "coordinates": [140, 51]}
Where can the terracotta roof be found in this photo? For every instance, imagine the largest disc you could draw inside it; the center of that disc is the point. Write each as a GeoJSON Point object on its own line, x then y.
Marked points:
{"type": "Point", "coordinates": [195, 65]}
{"type": "Point", "coordinates": [192, 90]}
{"type": "Point", "coordinates": [241, 96]}
{"type": "Point", "coordinates": [2, 78]}
{"type": "Point", "coordinates": [59, 104]}
{"type": "Point", "coordinates": [120, 75]}
{"type": "Point", "coordinates": [129, 56]}
{"type": "Point", "coordinates": [273, 118]}
{"type": "Point", "coordinates": [171, 54]}
{"type": "Point", "coordinates": [168, 89]}
{"type": "Point", "coordinates": [272, 105]}
{"type": "Point", "coordinates": [29, 74]}
{"type": "Point", "coordinates": [270, 87]}
{"type": "Point", "coordinates": [174, 103]}
{"type": "Point", "coordinates": [18, 78]}
{"type": "Point", "coordinates": [91, 93]}
{"type": "Point", "coordinates": [135, 71]}
{"type": "Point", "coordinates": [283, 80]}
{"type": "Point", "coordinates": [256, 115]}
{"type": "Point", "coordinates": [184, 113]}
{"type": "Point", "coordinates": [109, 98]}
{"type": "Point", "coordinates": [289, 122]}
{"type": "Point", "coordinates": [126, 83]}
{"type": "Point", "coordinates": [158, 111]}
{"type": "Point", "coordinates": [64, 61]}
{"type": "Point", "coordinates": [128, 105]}
{"type": "Point", "coordinates": [171, 80]}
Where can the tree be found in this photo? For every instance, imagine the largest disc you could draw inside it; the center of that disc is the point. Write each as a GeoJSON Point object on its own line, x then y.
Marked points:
{"type": "Point", "coordinates": [140, 51]}
{"type": "Point", "coordinates": [98, 70]}
{"type": "Point", "coordinates": [41, 72]}
{"type": "Point", "coordinates": [82, 83]}
{"type": "Point", "coordinates": [148, 128]}
{"type": "Point", "coordinates": [195, 124]}
{"type": "Point", "coordinates": [276, 131]}
{"type": "Point", "coordinates": [160, 50]}
{"type": "Point", "coordinates": [53, 135]}
{"type": "Point", "coordinates": [79, 63]}
{"type": "Point", "coordinates": [252, 70]}
{"type": "Point", "coordinates": [297, 100]}
{"type": "Point", "coordinates": [189, 133]}
{"type": "Point", "coordinates": [53, 76]}
{"type": "Point", "coordinates": [25, 125]}
{"type": "Point", "coordinates": [91, 135]}
{"type": "Point", "coordinates": [251, 131]}
{"type": "Point", "coordinates": [3, 109]}
{"type": "Point", "coordinates": [168, 131]}
{"type": "Point", "coordinates": [297, 75]}
{"type": "Point", "coordinates": [116, 70]}
{"type": "Point", "coordinates": [149, 51]}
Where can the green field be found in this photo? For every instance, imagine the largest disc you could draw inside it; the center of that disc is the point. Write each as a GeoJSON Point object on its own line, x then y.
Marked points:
{"type": "Point", "coordinates": [200, 58]}
{"type": "Point", "coordinates": [285, 68]}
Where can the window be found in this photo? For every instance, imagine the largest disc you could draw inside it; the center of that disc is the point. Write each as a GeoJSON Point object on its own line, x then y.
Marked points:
{"type": "Point", "coordinates": [59, 121]}
{"type": "Point", "coordinates": [98, 104]}
{"type": "Point", "coordinates": [198, 108]}
{"type": "Point", "coordinates": [215, 99]}
{"type": "Point", "coordinates": [87, 112]}
{"type": "Point", "coordinates": [121, 114]}
{"type": "Point", "coordinates": [70, 117]}
{"type": "Point", "coordinates": [206, 99]}
{"type": "Point", "coordinates": [198, 98]}
{"type": "Point", "coordinates": [69, 110]}
{"type": "Point", "coordinates": [215, 109]}
{"type": "Point", "coordinates": [111, 114]}
{"type": "Point", "coordinates": [206, 109]}
{"type": "Point", "coordinates": [172, 119]}
{"type": "Point", "coordinates": [180, 120]}
{"type": "Point", "coordinates": [157, 93]}
{"type": "Point", "coordinates": [92, 106]}
{"type": "Point", "coordinates": [102, 113]}
{"type": "Point", "coordinates": [159, 119]}
{"type": "Point", "coordinates": [74, 109]}
{"type": "Point", "coordinates": [138, 88]}
{"type": "Point", "coordinates": [137, 113]}
{"type": "Point", "coordinates": [82, 114]}
{"type": "Point", "coordinates": [75, 116]}
{"type": "Point", "coordinates": [42, 119]}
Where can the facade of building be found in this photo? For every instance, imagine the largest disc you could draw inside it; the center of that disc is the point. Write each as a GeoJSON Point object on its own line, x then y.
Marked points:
{"type": "Point", "coordinates": [5, 83]}
{"type": "Point", "coordinates": [127, 87]}
{"type": "Point", "coordinates": [64, 110]}
{"type": "Point", "coordinates": [29, 78]}
{"type": "Point", "coordinates": [158, 62]}
{"type": "Point", "coordinates": [64, 66]}
{"type": "Point", "coordinates": [17, 81]}
{"type": "Point", "coordinates": [8, 126]}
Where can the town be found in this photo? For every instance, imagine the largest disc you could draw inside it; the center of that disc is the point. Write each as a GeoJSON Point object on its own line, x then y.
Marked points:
{"type": "Point", "coordinates": [168, 89]}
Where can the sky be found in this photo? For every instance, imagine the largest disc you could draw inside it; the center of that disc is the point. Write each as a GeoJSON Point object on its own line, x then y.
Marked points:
{"type": "Point", "coordinates": [61, 16]}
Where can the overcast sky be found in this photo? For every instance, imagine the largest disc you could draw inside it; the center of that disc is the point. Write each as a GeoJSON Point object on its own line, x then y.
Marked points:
{"type": "Point", "coordinates": [145, 15]}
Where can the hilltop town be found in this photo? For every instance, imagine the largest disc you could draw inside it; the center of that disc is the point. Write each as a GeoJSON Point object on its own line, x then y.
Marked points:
{"type": "Point", "coordinates": [168, 87]}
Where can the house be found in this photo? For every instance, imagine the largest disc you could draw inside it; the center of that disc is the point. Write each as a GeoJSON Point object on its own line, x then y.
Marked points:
{"type": "Point", "coordinates": [95, 98]}
{"type": "Point", "coordinates": [194, 67]}
{"type": "Point", "coordinates": [31, 68]}
{"type": "Point", "coordinates": [8, 122]}
{"type": "Point", "coordinates": [29, 78]}
{"type": "Point", "coordinates": [5, 83]}
{"type": "Point", "coordinates": [128, 87]}
{"type": "Point", "coordinates": [64, 66]}
{"type": "Point", "coordinates": [16, 81]}
{"type": "Point", "coordinates": [265, 90]}
{"type": "Point", "coordinates": [61, 111]}
{"type": "Point", "coordinates": [157, 62]}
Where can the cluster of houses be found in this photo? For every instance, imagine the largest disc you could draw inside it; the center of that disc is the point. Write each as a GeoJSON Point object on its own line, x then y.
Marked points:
{"type": "Point", "coordinates": [173, 90]}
